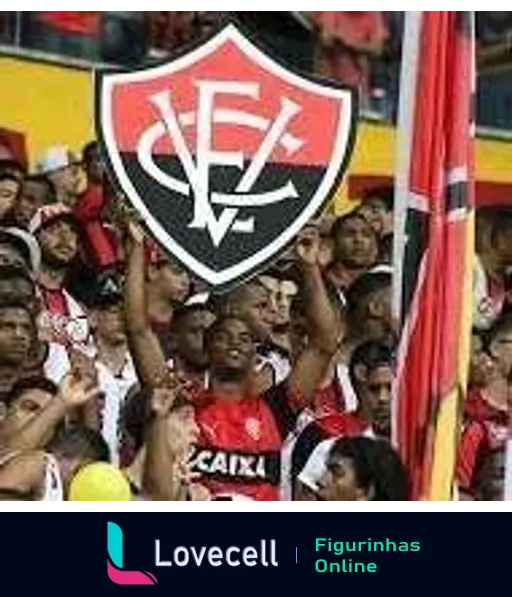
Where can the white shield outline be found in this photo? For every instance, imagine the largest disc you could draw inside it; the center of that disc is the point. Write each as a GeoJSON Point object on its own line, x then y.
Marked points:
{"type": "Point", "coordinates": [343, 146]}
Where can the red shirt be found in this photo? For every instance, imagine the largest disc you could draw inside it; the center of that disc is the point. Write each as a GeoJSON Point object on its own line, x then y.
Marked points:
{"type": "Point", "coordinates": [88, 211]}
{"type": "Point", "coordinates": [239, 448]}
{"type": "Point", "coordinates": [485, 430]}
{"type": "Point", "coordinates": [329, 400]}
{"type": "Point", "coordinates": [54, 300]}
{"type": "Point", "coordinates": [79, 21]}
{"type": "Point", "coordinates": [83, 21]}
{"type": "Point", "coordinates": [355, 29]}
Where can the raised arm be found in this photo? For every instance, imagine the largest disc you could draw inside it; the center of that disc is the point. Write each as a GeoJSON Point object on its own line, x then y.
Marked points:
{"type": "Point", "coordinates": [168, 446]}
{"type": "Point", "coordinates": [312, 364]}
{"type": "Point", "coordinates": [144, 345]}
{"type": "Point", "coordinates": [158, 478]}
{"type": "Point", "coordinates": [73, 393]}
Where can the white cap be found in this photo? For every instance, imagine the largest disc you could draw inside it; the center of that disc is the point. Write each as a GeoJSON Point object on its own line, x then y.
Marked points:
{"type": "Point", "coordinates": [56, 158]}
{"type": "Point", "coordinates": [30, 243]}
{"type": "Point", "coordinates": [49, 213]}
{"type": "Point", "coordinates": [198, 299]}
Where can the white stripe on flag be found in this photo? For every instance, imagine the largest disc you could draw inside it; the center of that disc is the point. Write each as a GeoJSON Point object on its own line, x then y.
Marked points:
{"type": "Point", "coordinates": [419, 202]}
{"type": "Point", "coordinates": [456, 175]}
{"type": "Point", "coordinates": [404, 140]}
{"type": "Point", "coordinates": [458, 215]}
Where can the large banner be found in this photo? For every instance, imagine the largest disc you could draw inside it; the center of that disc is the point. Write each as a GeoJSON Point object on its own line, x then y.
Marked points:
{"type": "Point", "coordinates": [225, 152]}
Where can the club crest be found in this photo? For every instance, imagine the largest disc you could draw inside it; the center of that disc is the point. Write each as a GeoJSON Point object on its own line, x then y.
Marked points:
{"type": "Point", "coordinates": [253, 428]}
{"type": "Point", "coordinates": [225, 153]}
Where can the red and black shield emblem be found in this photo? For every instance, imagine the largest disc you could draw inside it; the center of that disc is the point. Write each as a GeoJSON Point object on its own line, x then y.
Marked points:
{"type": "Point", "coordinates": [225, 153]}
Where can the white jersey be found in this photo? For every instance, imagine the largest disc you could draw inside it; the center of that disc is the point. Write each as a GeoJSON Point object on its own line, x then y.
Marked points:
{"type": "Point", "coordinates": [280, 364]}
{"type": "Point", "coordinates": [306, 417]}
{"type": "Point", "coordinates": [64, 322]}
{"type": "Point", "coordinates": [57, 364]}
{"type": "Point", "coordinates": [53, 488]}
{"type": "Point", "coordinates": [114, 389]}
{"type": "Point", "coordinates": [347, 389]}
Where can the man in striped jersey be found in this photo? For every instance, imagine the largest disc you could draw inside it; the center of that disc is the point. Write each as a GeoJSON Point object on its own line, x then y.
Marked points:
{"type": "Point", "coordinates": [371, 375]}
{"type": "Point", "coordinates": [62, 316]}
{"type": "Point", "coordinates": [486, 413]}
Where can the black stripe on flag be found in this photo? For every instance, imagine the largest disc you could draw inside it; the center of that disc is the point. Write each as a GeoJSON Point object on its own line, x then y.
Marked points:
{"type": "Point", "coordinates": [457, 196]}
{"type": "Point", "coordinates": [416, 231]}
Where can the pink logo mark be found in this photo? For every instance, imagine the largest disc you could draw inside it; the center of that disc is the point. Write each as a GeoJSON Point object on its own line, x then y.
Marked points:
{"type": "Point", "coordinates": [115, 561]}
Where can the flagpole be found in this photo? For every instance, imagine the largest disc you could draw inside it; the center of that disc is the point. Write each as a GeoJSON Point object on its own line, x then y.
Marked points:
{"type": "Point", "coordinates": [403, 144]}
{"type": "Point", "coordinates": [404, 138]}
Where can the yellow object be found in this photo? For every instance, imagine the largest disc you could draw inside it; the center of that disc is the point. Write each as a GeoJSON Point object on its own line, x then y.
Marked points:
{"type": "Point", "coordinates": [99, 482]}
{"type": "Point", "coordinates": [448, 422]}
{"type": "Point", "coordinates": [49, 103]}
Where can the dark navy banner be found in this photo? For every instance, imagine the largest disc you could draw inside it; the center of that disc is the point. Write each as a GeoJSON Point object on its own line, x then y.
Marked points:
{"type": "Point", "coordinates": [252, 554]}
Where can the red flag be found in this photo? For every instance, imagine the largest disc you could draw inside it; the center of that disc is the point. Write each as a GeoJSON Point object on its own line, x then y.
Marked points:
{"type": "Point", "coordinates": [433, 244]}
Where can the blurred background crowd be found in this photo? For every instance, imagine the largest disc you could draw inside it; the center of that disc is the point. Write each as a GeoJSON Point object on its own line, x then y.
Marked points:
{"type": "Point", "coordinates": [360, 48]}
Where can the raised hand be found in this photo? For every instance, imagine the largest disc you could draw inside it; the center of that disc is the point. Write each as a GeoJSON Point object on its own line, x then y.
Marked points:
{"type": "Point", "coordinates": [187, 482]}
{"type": "Point", "coordinates": [135, 233]}
{"type": "Point", "coordinates": [76, 390]}
{"type": "Point", "coordinates": [82, 364]}
{"type": "Point", "coordinates": [308, 246]}
{"type": "Point", "coordinates": [162, 400]}
{"type": "Point", "coordinates": [168, 389]}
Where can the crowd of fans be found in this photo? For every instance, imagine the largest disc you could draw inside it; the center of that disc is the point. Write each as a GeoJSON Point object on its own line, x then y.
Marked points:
{"type": "Point", "coordinates": [358, 48]}
{"type": "Point", "coordinates": [279, 389]}
{"type": "Point", "coordinates": [110, 352]}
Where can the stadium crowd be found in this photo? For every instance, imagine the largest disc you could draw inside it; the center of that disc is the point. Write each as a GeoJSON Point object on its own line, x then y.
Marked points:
{"type": "Point", "coordinates": [279, 389]}
{"type": "Point", "coordinates": [121, 378]}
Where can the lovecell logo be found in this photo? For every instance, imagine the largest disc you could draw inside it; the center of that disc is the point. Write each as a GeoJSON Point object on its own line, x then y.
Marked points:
{"type": "Point", "coordinates": [115, 561]}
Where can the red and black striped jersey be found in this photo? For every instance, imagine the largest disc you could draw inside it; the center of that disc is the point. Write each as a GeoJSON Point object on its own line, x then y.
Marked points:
{"type": "Point", "coordinates": [239, 448]}
{"type": "Point", "coordinates": [485, 430]}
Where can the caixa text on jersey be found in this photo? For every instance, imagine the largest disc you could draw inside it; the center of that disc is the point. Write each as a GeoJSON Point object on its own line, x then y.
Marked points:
{"type": "Point", "coordinates": [243, 466]}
